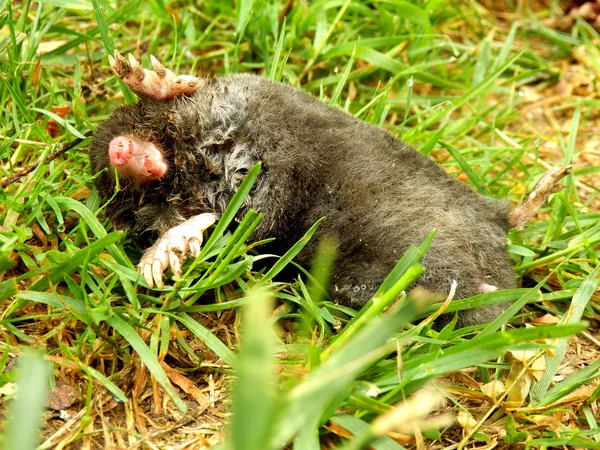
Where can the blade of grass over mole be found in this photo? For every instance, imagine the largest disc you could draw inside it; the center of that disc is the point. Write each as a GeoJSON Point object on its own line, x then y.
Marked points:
{"type": "Point", "coordinates": [22, 431]}
{"type": "Point", "coordinates": [232, 273]}
{"type": "Point", "coordinates": [290, 254]}
{"type": "Point", "coordinates": [490, 298]}
{"type": "Point", "coordinates": [573, 315]}
{"type": "Point", "coordinates": [233, 207]}
{"type": "Point", "coordinates": [325, 384]}
{"type": "Point", "coordinates": [238, 239]}
{"type": "Point", "coordinates": [412, 256]}
{"type": "Point", "coordinates": [406, 271]}
{"type": "Point", "coordinates": [221, 265]}
{"type": "Point", "coordinates": [146, 356]}
{"type": "Point", "coordinates": [514, 308]}
{"type": "Point", "coordinates": [253, 394]}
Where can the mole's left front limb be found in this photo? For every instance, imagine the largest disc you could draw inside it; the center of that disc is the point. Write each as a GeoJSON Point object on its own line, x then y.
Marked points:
{"type": "Point", "coordinates": [158, 84]}
{"type": "Point", "coordinates": [171, 248]}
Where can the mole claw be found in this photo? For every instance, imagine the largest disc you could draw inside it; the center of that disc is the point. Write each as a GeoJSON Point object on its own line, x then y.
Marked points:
{"type": "Point", "coordinates": [175, 264]}
{"type": "Point", "coordinates": [119, 59]}
{"type": "Point", "coordinates": [157, 272]}
{"type": "Point", "coordinates": [132, 61]}
{"type": "Point", "coordinates": [111, 61]}
{"type": "Point", "coordinates": [147, 271]}
{"type": "Point", "coordinates": [194, 247]}
{"type": "Point", "coordinates": [158, 67]}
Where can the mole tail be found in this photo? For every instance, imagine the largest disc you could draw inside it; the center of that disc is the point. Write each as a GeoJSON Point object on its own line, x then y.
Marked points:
{"type": "Point", "coordinates": [546, 186]}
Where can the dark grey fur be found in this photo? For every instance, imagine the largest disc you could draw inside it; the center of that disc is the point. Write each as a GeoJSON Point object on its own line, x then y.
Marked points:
{"type": "Point", "coordinates": [378, 194]}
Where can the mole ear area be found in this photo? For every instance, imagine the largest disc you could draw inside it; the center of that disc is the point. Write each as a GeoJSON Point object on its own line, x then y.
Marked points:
{"type": "Point", "coordinates": [157, 84]}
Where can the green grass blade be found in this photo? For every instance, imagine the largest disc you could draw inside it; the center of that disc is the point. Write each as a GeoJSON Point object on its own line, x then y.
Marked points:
{"type": "Point", "coordinates": [335, 375]}
{"type": "Point", "coordinates": [573, 315]}
{"type": "Point", "coordinates": [77, 259]}
{"type": "Point", "coordinates": [291, 253]}
{"type": "Point", "coordinates": [253, 394]}
{"type": "Point", "coordinates": [359, 427]}
{"type": "Point", "coordinates": [211, 341]}
{"type": "Point", "coordinates": [146, 356]}
{"type": "Point", "coordinates": [8, 288]}
{"type": "Point", "coordinates": [23, 428]}
{"type": "Point", "coordinates": [233, 207]}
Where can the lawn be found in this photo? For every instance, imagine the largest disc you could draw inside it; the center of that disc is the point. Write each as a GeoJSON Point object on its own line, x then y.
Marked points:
{"type": "Point", "coordinates": [234, 355]}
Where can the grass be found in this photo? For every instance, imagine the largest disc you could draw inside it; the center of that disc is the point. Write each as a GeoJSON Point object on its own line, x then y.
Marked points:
{"type": "Point", "coordinates": [231, 358]}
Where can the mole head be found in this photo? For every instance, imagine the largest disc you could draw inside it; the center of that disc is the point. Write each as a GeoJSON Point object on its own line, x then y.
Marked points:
{"type": "Point", "coordinates": [130, 145]}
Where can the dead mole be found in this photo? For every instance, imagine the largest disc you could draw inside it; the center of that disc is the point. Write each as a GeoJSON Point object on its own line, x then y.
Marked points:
{"type": "Point", "coordinates": [182, 151]}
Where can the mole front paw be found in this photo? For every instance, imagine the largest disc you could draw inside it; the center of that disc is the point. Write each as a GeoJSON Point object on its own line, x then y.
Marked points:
{"type": "Point", "coordinates": [157, 84]}
{"type": "Point", "coordinates": [172, 249]}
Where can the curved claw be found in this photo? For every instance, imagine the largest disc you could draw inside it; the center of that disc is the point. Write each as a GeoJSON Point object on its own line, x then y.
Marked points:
{"type": "Point", "coordinates": [175, 263]}
{"type": "Point", "coordinates": [157, 273]}
{"type": "Point", "coordinates": [160, 70]}
{"type": "Point", "coordinates": [194, 245]}
{"type": "Point", "coordinates": [146, 270]}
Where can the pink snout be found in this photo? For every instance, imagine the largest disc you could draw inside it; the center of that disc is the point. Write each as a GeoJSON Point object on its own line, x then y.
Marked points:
{"type": "Point", "coordinates": [120, 150]}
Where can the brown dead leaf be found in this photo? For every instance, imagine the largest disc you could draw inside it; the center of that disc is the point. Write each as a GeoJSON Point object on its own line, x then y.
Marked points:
{"type": "Point", "coordinates": [186, 385]}
{"type": "Point", "coordinates": [518, 383]}
{"type": "Point", "coordinates": [61, 111]}
{"type": "Point", "coordinates": [494, 389]}
{"type": "Point", "coordinates": [546, 319]}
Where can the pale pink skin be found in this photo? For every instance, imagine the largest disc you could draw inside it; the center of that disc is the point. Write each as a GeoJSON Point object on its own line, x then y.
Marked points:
{"type": "Point", "coordinates": [485, 288]}
{"type": "Point", "coordinates": [138, 160]}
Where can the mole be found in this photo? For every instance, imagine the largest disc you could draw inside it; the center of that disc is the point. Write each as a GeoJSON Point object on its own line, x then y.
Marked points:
{"type": "Point", "coordinates": [180, 153]}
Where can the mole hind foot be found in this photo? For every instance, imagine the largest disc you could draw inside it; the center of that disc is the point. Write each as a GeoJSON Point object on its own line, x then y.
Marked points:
{"type": "Point", "coordinates": [546, 186]}
{"type": "Point", "coordinates": [158, 84]}
{"type": "Point", "coordinates": [171, 248]}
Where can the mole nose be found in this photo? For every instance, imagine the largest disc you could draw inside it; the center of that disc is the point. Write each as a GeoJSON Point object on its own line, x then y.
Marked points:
{"type": "Point", "coordinates": [120, 150]}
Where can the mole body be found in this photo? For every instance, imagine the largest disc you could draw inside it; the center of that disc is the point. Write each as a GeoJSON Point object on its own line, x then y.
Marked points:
{"type": "Point", "coordinates": [182, 159]}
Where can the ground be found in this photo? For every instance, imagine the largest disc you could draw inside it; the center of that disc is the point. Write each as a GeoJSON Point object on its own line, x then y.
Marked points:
{"type": "Point", "coordinates": [495, 96]}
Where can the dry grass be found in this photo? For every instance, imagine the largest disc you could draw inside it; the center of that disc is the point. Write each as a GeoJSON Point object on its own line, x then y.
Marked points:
{"type": "Point", "coordinates": [96, 321]}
